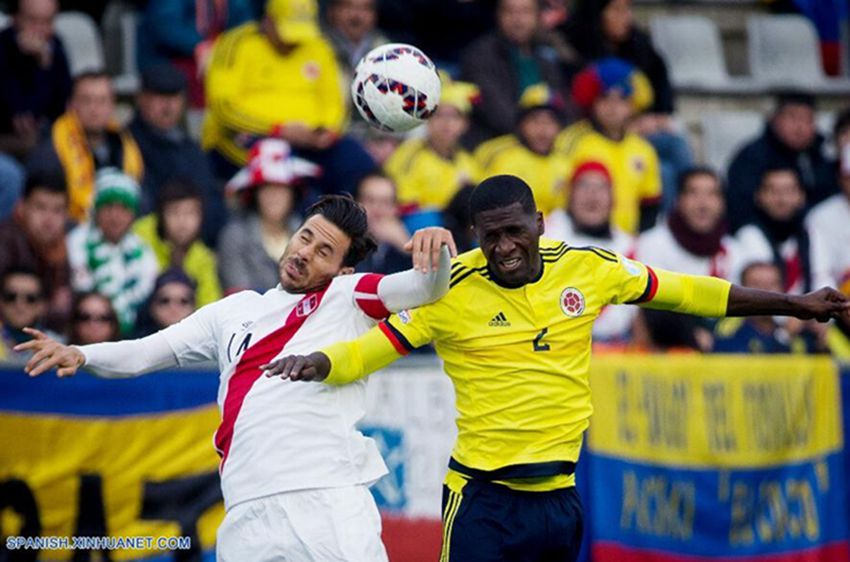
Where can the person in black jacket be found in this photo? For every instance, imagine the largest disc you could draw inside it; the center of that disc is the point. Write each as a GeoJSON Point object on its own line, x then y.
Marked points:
{"type": "Point", "coordinates": [504, 63]}
{"type": "Point", "coordinates": [36, 81]}
{"type": "Point", "coordinates": [605, 28]}
{"type": "Point", "coordinates": [168, 151]}
{"type": "Point", "coordinates": [790, 140]}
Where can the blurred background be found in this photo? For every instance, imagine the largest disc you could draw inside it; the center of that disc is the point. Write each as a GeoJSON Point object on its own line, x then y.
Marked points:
{"type": "Point", "coordinates": [140, 178]}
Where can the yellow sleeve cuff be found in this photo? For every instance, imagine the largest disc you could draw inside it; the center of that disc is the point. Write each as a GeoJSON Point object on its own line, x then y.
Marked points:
{"type": "Point", "coordinates": [690, 294]}
{"type": "Point", "coordinates": [355, 359]}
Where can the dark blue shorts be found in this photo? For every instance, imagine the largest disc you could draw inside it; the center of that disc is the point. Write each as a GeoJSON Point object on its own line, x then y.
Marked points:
{"type": "Point", "coordinates": [488, 522]}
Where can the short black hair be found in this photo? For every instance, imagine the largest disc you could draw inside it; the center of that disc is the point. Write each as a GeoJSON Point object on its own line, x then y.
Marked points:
{"type": "Point", "coordinates": [174, 190]}
{"type": "Point", "coordinates": [344, 212]}
{"type": "Point", "coordinates": [694, 171]}
{"type": "Point", "coordinates": [793, 97]}
{"type": "Point", "coordinates": [756, 264]}
{"type": "Point", "coordinates": [376, 174]}
{"type": "Point", "coordinates": [89, 75]}
{"type": "Point", "coordinates": [781, 168]}
{"type": "Point", "coordinates": [21, 270]}
{"type": "Point", "coordinates": [501, 191]}
{"type": "Point", "coordinates": [842, 122]}
{"type": "Point", "coordinates": [43, 180]}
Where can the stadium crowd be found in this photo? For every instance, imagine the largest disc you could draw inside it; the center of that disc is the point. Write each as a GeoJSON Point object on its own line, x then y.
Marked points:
{"type": "Point", "coordinates": [117, 229]}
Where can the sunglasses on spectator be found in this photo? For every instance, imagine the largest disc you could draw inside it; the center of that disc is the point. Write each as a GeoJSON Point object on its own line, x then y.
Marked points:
{"type": "Point", "coordinates": [163, 301]}
{"type": "Point", "coordinates": [86, 317]}
{"type": "Point", "coordinates": [12, 296]}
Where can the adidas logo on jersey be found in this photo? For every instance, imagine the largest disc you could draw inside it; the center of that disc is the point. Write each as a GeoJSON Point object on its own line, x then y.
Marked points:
{"type": "Point", "coordinates": [499, 321]}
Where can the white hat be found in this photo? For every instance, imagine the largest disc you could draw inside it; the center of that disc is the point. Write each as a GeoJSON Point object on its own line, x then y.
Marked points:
{"type": "Point", "coordinates": [271, 161]}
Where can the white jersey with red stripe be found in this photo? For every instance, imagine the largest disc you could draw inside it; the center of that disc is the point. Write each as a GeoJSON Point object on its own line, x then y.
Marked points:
{"type": "Point", "coordinates": [278, 435]}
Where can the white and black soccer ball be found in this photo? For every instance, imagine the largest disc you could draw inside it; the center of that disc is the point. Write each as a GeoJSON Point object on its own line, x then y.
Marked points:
{"type": "Point", "coordinates": [395, 87]}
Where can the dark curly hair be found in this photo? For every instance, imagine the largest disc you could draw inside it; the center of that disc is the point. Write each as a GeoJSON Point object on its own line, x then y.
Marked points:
{"type": "Point", "coordinates": [344, 212]}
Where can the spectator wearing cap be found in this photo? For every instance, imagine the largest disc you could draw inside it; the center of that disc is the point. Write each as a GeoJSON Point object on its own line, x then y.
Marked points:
{"type": "Point", "coordinates": [34, 238]}
{"type": "Point", "coordinates": [504, 63]}
{"type": "Point", "coordinates": [85, 139]}
{"type": "Point", "coordinates": [279, 78]}
{"type": "Point", "coordinates": [610, 92]}
{"type": "Point", "coordinates": [429, 171]}
{"type": "Point", "coordinates": [172, 300]}
{"type": "Point", "coordinates": [694, 238]}
{"type": "Point", "coordinates": [530, 151]}
{"type": "Point", "coordinates": [267, 190]}
{"type": "Point", "coordinates": [790, 140]}
{"type": "Point", "coordinates": [606, 28]}
{"type": "Point", "coordinates": [168, 151]}
{"type": "Point", "coordinates": [182, 32]}
{"type": "Point", "coordinates": [106, 256]}
{"type": "Point", "coordinates": [586, 221]}
{"type": "Point", "coordinates": [173, 233]}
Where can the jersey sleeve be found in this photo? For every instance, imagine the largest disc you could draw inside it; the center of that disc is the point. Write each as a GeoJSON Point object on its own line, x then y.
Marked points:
{"type": "Point", "coordinates": [195, 338]}
{"type": "Point", "coordinates": [410, 329]}
{"type": "Point", "coordinates": [391, 339]}
{"type": "Point", "coordinates": [366, 296]}
{"type": "Point", "coordinates": [631, 282]}
{"type": "Point", "coordinates": [624, 281]}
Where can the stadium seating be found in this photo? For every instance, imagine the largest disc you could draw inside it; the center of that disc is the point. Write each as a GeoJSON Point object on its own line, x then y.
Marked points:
{"type": "Point", "coordinates": [784, 53]}
{"type": "Point", "coordinates": [692, 47]}
{"type": "Point", "coordinates": [120, 34]}
{"type": "Point", "coordinates": [724, 132]}
{"type": "Point", "coordinates": [82, 41]}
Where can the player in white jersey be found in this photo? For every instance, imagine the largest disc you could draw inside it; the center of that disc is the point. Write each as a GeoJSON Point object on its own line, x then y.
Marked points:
{"type": "Point", "coordinates": [294, 469]}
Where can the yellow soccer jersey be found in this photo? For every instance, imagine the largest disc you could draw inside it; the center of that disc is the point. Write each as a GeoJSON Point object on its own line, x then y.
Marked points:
{"type": "Point", "coordinates": [251, 88]}
{"type": "Point", "coordinates": [426, 179]}
{"type": "Point", "coordinates": [546, 175]}
{"type": "Point", "coordinates": [519, 358]}
{"type": "Point", "coordinates": [633, 164]}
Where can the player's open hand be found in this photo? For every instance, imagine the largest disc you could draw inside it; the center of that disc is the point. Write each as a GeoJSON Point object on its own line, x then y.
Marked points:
{"type": "Point", "coordinates": [50, 354]}
{"type": "Point", "coordinates": [823, 305]}
{"type": "Point", "coordinates": [313, 367]}
{"type": "Point", "coordinates": [425, 247]}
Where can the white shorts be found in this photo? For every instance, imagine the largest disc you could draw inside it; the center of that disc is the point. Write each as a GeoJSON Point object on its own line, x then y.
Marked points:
{"type": "Point", "coordinates": [322, 525]}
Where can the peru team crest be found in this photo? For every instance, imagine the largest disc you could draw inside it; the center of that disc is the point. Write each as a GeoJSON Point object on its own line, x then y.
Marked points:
{"type": "Point", "coordinates": [572, 302]}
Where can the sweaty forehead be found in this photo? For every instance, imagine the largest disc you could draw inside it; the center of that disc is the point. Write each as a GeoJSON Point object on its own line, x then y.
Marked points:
{"type": "Point", "coordinates": [326, 231]}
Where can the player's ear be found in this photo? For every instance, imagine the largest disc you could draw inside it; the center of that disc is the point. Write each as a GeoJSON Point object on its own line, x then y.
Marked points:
{"type": "Point", "coordinates": [347, 270]}
{"type": "Point", "coordinates": [541, 226]}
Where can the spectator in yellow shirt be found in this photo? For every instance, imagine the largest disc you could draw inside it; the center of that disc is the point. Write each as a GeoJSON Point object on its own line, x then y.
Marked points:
{"type": "Point", "coordinates": [279, 78]}
{"type": "Point", "coordinates": [530, 152]}
{"type": "Point", "coordinates": [611, 92]}
{"type": "Point", "coordinates": [430, 171]}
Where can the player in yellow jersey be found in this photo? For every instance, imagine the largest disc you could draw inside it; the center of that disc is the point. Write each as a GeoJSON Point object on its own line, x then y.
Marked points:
{"type": "Point", "coordinates": [514, 332]}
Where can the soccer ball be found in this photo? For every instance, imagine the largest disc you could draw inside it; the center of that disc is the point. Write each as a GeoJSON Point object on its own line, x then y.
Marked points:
{"type": "Point", "coordinates": [395, 87]}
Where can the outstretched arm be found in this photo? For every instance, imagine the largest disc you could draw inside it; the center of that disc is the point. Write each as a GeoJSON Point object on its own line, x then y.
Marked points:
{"type": "Point", "coordinates": [709, 296]}
{"type": "Point", "coordinates": [821, 305]}
{"type": "Point", "coordinates": [110, 360]}
{"type": "Point", "coordinates": [340, 363]}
